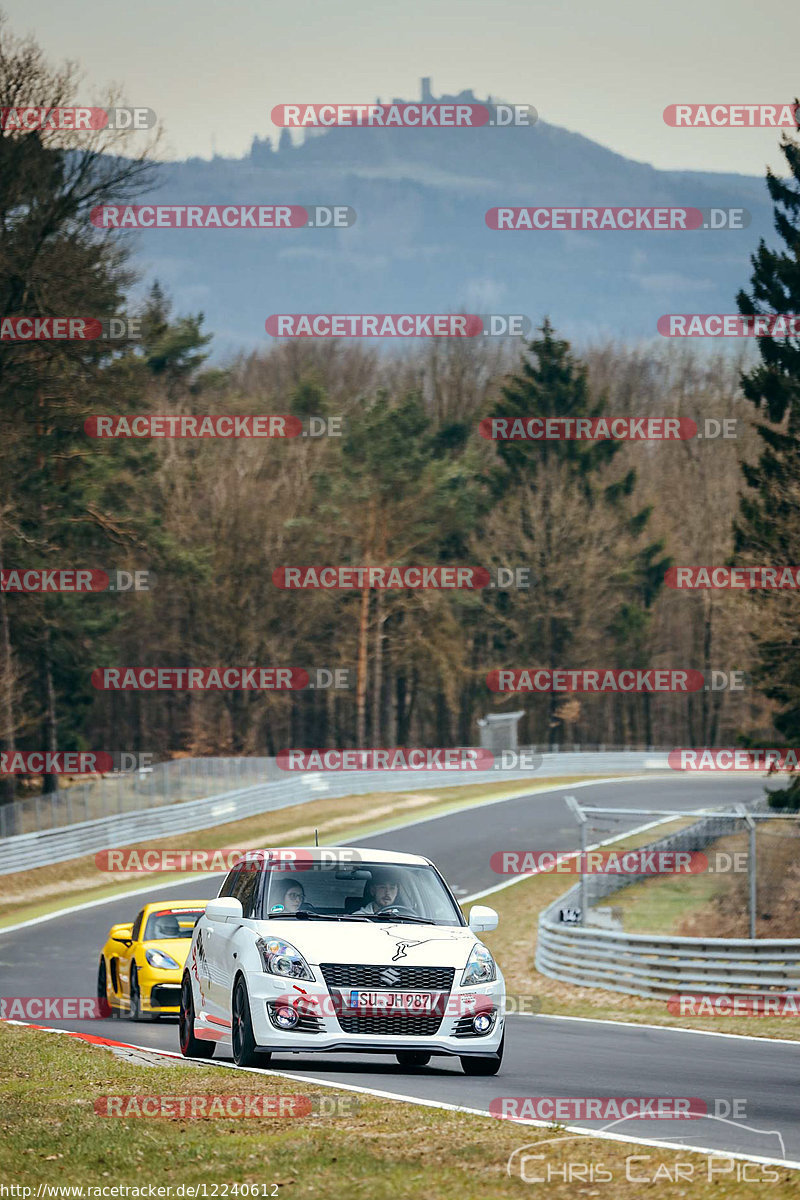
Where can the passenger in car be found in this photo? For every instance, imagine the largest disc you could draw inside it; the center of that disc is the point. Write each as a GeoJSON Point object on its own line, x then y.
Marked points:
{"type": "Point", "coordinates": [293, 897]}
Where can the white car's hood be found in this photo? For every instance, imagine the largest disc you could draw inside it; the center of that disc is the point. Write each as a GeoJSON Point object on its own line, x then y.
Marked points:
{"type": "Point", "coordinates": [406, 944]}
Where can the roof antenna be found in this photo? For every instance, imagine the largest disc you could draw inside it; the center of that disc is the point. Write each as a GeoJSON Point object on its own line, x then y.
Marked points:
{"type": "Point", "coordinates": [316, 838]}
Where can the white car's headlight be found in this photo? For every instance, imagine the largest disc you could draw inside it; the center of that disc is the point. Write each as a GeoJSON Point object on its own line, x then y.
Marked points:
{"type": "Point", "coordinates": [281, 958]}
{"type": "Point", "coordinates": [164, 962]}
{"type": "Point", "coordinates": [480, 967]}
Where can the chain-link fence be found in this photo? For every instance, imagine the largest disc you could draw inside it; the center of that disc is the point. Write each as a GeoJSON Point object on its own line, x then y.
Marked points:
{"type": "Point", "coordinates": [195, 778]}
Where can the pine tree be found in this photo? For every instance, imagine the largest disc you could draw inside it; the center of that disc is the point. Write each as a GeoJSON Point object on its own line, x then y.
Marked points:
{"type": "Point", "coordinates": [552, 383]}
{"type": "Point", "coordinates": [53, 263]}
{"type": "Point", "coordinates": [767, 530]}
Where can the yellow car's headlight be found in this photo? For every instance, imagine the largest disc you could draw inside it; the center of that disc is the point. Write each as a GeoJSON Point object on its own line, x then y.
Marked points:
{"type": "Point", "coordinates": [164, 962]}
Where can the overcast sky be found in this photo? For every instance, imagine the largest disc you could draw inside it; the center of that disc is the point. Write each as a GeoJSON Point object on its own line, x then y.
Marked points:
{"type": "Point", "coordinates": [213, 71]}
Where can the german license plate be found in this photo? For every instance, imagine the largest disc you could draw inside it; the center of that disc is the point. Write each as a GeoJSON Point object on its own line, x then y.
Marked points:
{"type": "Point", "coordinates": [393, 1001]}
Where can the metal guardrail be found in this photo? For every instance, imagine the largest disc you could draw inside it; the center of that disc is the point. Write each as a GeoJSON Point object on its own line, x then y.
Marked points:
{"type": "Point", "coordinates": [659, 965]}
{"type": "Point", "coordinates": [180, 780]}
{"type": "Point", "coordinates": [48, 846]}
{"type": "Point", "coordinates": [663, 966]}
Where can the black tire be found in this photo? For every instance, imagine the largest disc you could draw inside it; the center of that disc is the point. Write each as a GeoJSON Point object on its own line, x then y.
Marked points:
{"type": "Point", "coordinates": [104, 1006]}
{"type": "Point", "coordinates": [244, 1044]}
{"type": "Point", "coordinates": [191, 1047]}
{"type": "Point", "coordinates": [115, 1012]}
{"type": "Point", "coordinates": [488, 1065]}
{"type": "Point", "coordinates": [413, 1058]}
{"type": "Point", "coordinates": [135, 1007]}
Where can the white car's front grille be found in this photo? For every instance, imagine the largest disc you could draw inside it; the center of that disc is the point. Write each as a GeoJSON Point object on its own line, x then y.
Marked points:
{"type": "Point", "coordinates": [390, 976]}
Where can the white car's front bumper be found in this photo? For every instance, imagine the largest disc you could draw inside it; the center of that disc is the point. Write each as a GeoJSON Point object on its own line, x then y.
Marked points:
{"type": "Point", "coordinates": [322, 1030]}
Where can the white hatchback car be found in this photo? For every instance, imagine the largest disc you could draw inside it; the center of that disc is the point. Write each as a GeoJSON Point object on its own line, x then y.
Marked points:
{"type": "Point", "coordinates": [337, 949]}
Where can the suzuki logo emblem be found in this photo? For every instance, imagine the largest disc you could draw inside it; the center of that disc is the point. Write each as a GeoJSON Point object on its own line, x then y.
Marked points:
{"type": "Point", "coordinates": [390, 975]}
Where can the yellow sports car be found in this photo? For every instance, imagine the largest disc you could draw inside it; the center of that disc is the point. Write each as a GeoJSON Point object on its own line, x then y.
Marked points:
{"type": "Point", "coordinates": [141, 964]}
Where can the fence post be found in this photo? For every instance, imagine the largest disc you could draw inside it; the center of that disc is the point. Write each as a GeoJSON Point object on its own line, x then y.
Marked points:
{"type": "Point", "coordinates": [580, 816]}
{"type": "Point", "coordinates": [751, 863]}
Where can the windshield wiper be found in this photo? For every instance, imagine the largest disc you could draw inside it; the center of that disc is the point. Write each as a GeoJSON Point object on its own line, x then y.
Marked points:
{"type": "Point", "coordinates": [414, 920]}
{"type": "Point", "coordinates": [311, 916]}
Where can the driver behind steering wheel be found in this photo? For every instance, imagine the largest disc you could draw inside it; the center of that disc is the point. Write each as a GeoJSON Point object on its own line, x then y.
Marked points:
{"type": "Point", "coordinates": [382, 891]}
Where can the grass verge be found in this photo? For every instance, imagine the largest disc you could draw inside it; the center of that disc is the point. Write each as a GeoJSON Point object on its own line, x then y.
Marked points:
{"type": "Point", "coordinates": [384, 1150]}
{"type": "Point", "coordinates": [514, 945]}
{"type": "Point", "coordinates": [716, 903]}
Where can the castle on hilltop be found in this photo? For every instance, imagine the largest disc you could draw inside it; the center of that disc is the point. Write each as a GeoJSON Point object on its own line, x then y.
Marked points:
{"type": "Point", "coordinates": [262, 148]}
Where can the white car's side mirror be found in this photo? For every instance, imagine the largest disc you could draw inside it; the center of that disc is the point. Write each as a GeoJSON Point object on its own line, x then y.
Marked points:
{"type": "Point", "coordinates": [482, 919]}
{"type": "Point", "coordinates": [224, 908]}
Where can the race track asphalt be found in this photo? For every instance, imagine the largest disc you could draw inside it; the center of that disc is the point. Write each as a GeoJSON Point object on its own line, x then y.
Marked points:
{"type": "Point", "coordinates": [545, 1056]}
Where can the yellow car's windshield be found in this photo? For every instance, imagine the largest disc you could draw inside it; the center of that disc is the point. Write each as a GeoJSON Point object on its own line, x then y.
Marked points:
{"type": "Point", "coordinates": [171, 923]}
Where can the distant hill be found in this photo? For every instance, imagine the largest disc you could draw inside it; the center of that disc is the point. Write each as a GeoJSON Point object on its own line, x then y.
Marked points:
{"type": "Point", "coordinates": [420, 243]}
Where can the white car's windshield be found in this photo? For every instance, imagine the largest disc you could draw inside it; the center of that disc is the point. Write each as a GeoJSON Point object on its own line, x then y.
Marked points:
{"type": "Point", "coordinates": [359, 892]}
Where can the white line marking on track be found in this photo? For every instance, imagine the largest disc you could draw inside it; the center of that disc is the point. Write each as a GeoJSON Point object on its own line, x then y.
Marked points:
{"type": "Point", "coordinates": [746, 1037]}
{"type": "Point", "coordinates": [382, 1094]}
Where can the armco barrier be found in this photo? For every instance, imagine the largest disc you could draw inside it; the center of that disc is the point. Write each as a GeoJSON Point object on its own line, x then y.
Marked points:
{"type": "Point", "coordinates": [656, 965]}
{"type": "Point", "coordinates": [639, 965]}
{"type": "Point", "coordinates": [44, 847]}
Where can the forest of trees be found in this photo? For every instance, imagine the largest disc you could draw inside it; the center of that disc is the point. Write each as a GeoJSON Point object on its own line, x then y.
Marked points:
{"type": "Point", "coordinates": [410, 481]}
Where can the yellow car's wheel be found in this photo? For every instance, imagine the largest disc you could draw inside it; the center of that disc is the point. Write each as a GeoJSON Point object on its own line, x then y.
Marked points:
{"type": "Point", "coordinates": [106, 1009]}
{"type": "Point", "coordinates": [135, 1012]}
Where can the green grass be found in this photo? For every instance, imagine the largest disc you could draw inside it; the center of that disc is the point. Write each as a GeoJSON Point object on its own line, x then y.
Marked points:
{"type": "Point", "coordinates": [384, 1150]}
{"type": "Point", "coordinates": [657, 905]}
